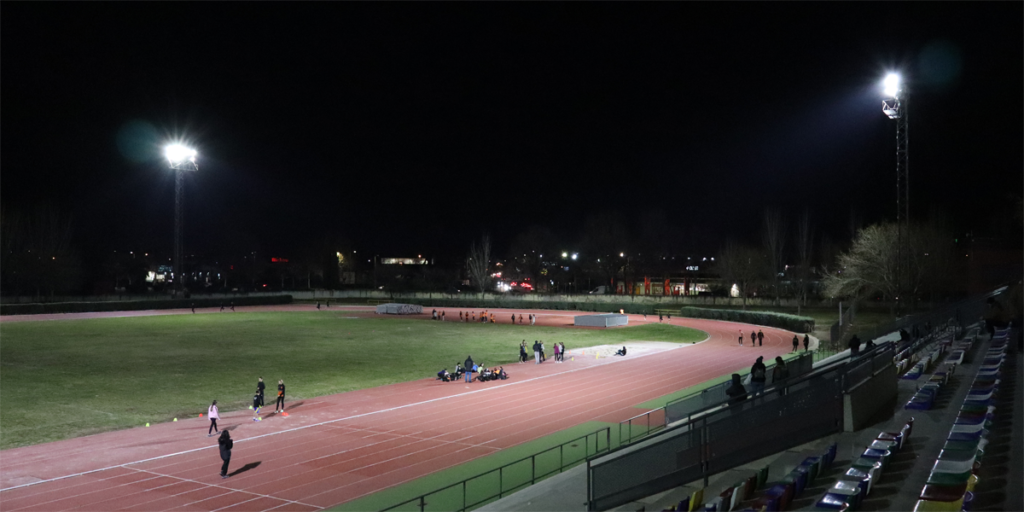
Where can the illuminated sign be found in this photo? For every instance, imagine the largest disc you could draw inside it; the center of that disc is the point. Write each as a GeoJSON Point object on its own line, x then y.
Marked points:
{"type": "Point", "coordinates": [279, 260]}
{"type": "Point", "coordinates": [692, 267]}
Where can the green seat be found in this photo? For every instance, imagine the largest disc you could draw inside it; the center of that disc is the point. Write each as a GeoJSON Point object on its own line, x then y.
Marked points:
{"type": "Point", "coordinates": [762, 477]}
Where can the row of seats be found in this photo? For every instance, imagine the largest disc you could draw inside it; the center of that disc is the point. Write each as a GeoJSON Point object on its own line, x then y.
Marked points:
{"type": "Point", "coordinates": [928, 359]}
{"type": "Point", "coordinates": [924, 399]}
{"type": "Point", "coordinates": [951, 482]}
{"type": "Point", "coordinates": [906, 352]}
{"type": "Point", "coordinates": [850, 490]}
{"type": "Point", "coordinates": [777, 497]}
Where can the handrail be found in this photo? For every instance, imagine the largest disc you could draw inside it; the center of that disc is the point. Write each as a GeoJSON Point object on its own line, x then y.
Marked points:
{"type": "Point", "coordinates": [421, 500]}
{"type": "Point", "coordinates": [831, 366]}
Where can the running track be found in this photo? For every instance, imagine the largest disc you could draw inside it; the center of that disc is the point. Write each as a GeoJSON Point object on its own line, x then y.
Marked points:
{"type": "Point", "coordinates": [334, 449]}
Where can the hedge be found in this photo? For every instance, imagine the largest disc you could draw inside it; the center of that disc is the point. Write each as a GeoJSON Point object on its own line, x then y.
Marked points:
{"type": "Point", "coordinates": [136, 305]}
{"type": "Point", "coordinates": [598, 307]}
{"type": "Point", "coordinates": [785, 321]}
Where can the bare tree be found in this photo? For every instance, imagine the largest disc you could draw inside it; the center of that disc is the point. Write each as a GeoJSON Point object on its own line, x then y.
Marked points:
{"type": "Point", "coordinates": [741, 266]}
{"type": "Point", "coordinates": [773, 236]}
{"type": "Point", "coordinates": [804, 245]}
{"type": "Point", "coordinates": [871, 263]}
{"type": "Point", "coordinates": [478, 263]}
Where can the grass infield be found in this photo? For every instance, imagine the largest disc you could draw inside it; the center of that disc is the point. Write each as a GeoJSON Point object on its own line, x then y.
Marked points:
{"type": "Point", "coordinates": [63, 379]}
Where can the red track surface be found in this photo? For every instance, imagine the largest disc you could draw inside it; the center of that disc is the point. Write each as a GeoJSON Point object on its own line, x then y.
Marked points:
{"type": "Point", "coordinates": [334, 449]}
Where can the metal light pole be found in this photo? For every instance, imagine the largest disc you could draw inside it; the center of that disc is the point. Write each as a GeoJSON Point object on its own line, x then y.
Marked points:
{"type": "Point", "coordinates": [896, 107]}
{"type": "Point", "coordinates": [181, 160]}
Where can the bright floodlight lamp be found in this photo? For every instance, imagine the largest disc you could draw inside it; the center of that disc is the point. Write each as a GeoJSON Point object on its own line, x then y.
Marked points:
{"type": "Point", "coordinates": [891, 85]}
{"type": "Point", "coordinates": [181, 157]}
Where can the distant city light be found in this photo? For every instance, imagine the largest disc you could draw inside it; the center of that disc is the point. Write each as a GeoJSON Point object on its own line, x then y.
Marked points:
{"type": "Point", "coordinates": [565, 255]}
{"type": "Point", "coordinates": [574, 256]}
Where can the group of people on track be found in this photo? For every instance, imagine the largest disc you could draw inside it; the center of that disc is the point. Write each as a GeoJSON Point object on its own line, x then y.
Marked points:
{"type": "Point", "coordinates": [484, 317]}
{"type": "Point", "coordinates": [484, 373]}
{"type": "Point", "coordinates": [757, 340]}
{"type": "Point", "coordinates": [225, 442]}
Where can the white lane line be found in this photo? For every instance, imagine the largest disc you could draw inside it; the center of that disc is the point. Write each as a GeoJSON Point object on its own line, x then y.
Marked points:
{"type": "Point", "coordinates": [610, 361]}
{"type": "Point", "coordinates": [258, 495]}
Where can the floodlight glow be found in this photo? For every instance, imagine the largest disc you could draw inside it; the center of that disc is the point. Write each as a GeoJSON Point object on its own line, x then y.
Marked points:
{"type": "Point", "coordinates": [565, 255]}
{"type": "Point", "coordinates": [891, 85]}
{"type": "Point", "coordinates": [177, 153]}
{"type": "Point", "coordinates": [574, 255]}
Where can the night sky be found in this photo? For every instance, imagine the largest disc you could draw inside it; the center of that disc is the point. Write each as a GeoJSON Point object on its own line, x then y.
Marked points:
{"type": "Point", "coordinates": [414, 128]}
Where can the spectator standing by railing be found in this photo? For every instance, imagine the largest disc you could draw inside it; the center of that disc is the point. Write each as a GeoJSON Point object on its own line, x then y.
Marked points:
{"type": "Point", "coordinates": [737, 393]}
{"type": "Point", "coordinates": [796, 343]}
{"type": "Point", "coordinates": [758, 376]}
{"type": "Point", "coordinates": [780, 372]}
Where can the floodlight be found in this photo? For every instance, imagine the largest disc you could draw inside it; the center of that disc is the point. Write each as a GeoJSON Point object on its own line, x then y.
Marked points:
{"type": "Point", "coordinates": [574, 255]}
{"type": "Point", "coordinates": [177, 153]}
{"type": "Point", "coordinates": [891, 85]}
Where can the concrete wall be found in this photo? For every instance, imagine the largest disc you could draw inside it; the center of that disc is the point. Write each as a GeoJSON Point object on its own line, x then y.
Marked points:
{"type": "Point", "coordinates": [868, 400]}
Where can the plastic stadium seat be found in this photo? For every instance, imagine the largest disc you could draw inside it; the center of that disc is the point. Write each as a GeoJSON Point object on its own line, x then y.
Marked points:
{"type": "Point", "coordinates": [762, 477]}
{"type": "Point", "coordinates": [852, 492]}
{"type": "Point", "coordinates": [937, 506]}
{"type": "Point", "coordinates": [945, 493]}
{"type": "Point", "coordinates": [864, 478]}
{"type": "Point", "coordinates": [726, 499]}
{"type": "Point", "coordinates": [696, 500]}
{"type": "Point", "coordinates": [832, 502]}
{"type": "Point", "coordinates": [684, 504]}
{"type": "Point", "coordinates": [714, 505]}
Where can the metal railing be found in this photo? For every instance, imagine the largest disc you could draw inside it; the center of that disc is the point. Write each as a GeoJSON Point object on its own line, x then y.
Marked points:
{"type": "Point", "coordinates": [499, 482]}
{"type": "Point", "coordinates": [791, 413]}
{"type": "Point", "coordinates": [641, 425]}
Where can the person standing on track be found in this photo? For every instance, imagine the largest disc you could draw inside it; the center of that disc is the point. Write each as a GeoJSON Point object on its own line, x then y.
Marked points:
{"type": "Point", "coordinates": [260, 387]}
{"type": "Point", "coordinates": [256, 406]}
{"type": "Point", "coordinates": [741, 337]}
{"type": "Point", "coordinates": [533, 318]}
{"type": "Point", "coordinates": [522, 352]}
{"type": "Point", "coordinates": [660, 317]}
{"type": "Point", "coordinates": [807, 342]}
{"type": "Point", "coordinates": [520, 319]}
{"type": "Point", "coordinates": [442, 315]}
{"type": "Point", "coordinates": [796, 343]}
{"type": "Point", "coordinates": [226, 444]}
{"type": "Point", "coordinates": [469, 369]}
{"type": "Point", "coordinates": [562, 347]}
{"type": "Point", "coordinates": [556, 352]}
{"type": "Point", "coordinates": [193, 308]}
{"type": "Point", "coordinates": [318, 305]}
{"type": "Point", "coordinates": [536, 351]}
{"type": "Point", "coordinates": [214, 415]}
{"type": "Point", "coordinates": [279, 407]}
{"type": "Point", "coordinates": [760, 338]}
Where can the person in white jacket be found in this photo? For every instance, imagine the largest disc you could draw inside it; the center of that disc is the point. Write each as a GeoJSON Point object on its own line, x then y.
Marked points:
{"type": "Point", "coordinates": [214, 416]}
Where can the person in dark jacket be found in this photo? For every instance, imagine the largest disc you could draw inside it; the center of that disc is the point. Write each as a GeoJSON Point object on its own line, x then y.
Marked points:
{"type": "Point", "coordinates": [796, 343]}
{"type": "Point", "coordinates": [261, 387]}
{"type": "Point", "coordinates": [256, 407]}
{"type": "Point", "coordinates": [226, 444]}
{"type": "Point", "coordinates": [279, 406]}
{"type": "Point", "coordinates": [780, 372]}
{"type": "Point", "coordinates": [760, 338]}
{"type": "Point", "coordinates": [536, 352]}
{"type": "Point", "coordinates": [807, 343]}
{"type": "Point", "coordinates": [522, 352]}
{"type": "Point", "coordinates": [737, 393]}
{"type": "Point", "coordinates": [758, 376]}
{"type": "Point", "coordinates": [854, 345]}
{"type": "Point", "coordinates": [469, 369]}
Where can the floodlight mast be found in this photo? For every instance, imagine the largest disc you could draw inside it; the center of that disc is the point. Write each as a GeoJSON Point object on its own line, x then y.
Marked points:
{"type": "Point", "coordinates": [181, 160]}
{"type": "Point", "coordinates": [895, 106]}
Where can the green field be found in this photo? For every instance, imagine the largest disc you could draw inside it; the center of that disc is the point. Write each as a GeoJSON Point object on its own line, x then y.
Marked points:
{"type": "Point", "coordinates": [63, 379]}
